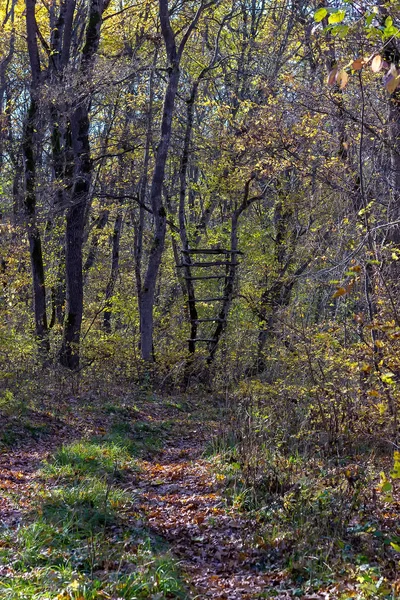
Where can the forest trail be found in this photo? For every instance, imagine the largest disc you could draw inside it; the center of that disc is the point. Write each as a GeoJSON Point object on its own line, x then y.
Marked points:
{"type": "Point", "coordinates": [215, 544]}
{"type": "Point", "coordinates": [23, 448]}
{"type": "Point", "coordinates": [176, 494]}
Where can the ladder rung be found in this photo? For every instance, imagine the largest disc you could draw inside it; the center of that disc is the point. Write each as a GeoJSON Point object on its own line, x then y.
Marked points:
{"type": "Point", "coordinates": [217, 320]}
{"type": "Point", "coordinates": [210, 251]}
{"type": "Point", "coordinates": [224, 263]}
{"type": "Point", "coordinates": [202, 340]}
{"type": "Point", "coordinates": [206, 277]}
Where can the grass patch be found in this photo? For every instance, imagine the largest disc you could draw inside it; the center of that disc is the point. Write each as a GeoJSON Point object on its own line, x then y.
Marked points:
{"type": "Point", "coordinates": [139, 438]}
{"type": "Point", "coordinates": [87, 458]}
{"type": "Point", "coordinates": [86, 506]}
{"type": "Point", "coordinates": [84, 538]}
{"type": "Point", "coordinates": [111, 408]}
{"type": "Point", "coordinates": [48, 561]}
{"type": "Point", "coordinates": [16, 430]}
{"type": "Point", "coordinates": [158, 579]}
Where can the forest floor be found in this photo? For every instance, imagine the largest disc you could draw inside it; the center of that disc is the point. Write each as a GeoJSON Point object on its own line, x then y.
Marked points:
{"type": "Point", "coordinates": [125, 499]}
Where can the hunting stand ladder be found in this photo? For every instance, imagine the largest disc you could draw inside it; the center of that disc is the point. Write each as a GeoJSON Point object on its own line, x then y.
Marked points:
{"type": "Point", "coordinates": [220, 301]}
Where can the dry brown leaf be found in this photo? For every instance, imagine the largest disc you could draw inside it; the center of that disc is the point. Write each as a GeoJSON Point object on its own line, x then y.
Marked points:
{"type": "Point", "coordinates": [357, 64]}
{"type": "Point", "coordinates": [392, 83]}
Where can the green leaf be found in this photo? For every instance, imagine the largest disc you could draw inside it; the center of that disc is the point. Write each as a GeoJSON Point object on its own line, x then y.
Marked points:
{"type": "Point", "coordinates": [387, 378]}
{"type": "Point", "coordinates": [340, 31]}
{"type": "Point", "coordinates": [391, 31]}
{"type": "Point", "coordinates": [395, 474]}
{"type": "Point", "coordinates": [320, 14]}
{"type": "Point", "coordinates": [374, 32]}
{"type": "Point", "coordinates": [369, 19]}
{"type": "Point", "coordinates": [337, 17]}
{"type": "Point", "coordinates": [395, 546]}
{"type": "Point", "coordinates": [387, 487]}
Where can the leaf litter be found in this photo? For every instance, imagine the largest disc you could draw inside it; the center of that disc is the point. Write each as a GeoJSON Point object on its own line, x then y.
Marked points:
{"type": "Point", "coordinates": [177, 495]}
{"type": "Point", "coordinates": [183, 502]}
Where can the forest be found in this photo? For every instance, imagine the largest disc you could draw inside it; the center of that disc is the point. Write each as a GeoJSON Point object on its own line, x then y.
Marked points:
{"type": "Point", "coordinates": [199, 299]}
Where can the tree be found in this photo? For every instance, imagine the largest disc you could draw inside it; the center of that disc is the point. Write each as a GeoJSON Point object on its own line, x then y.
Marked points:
{"type": "Point", "coordinates": [28, 148]}
{"type": "Point", "coordinates": [174, 52]}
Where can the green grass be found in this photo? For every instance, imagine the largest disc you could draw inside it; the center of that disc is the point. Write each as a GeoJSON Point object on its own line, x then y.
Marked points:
{"type": "Point", "coordinates": [48, 561]}
{"type": "Point", "coordinates": [315, 522]}
{"type": "Point", "coordinates": [111, 408]}
{"type": "Point", "coordinates": [139, 438]}
{"type": "Point", "coordinates": [113, 453]}
{"type": "Point", "coordinates": [87, 458]}
{"type": "Point", "coordinates": [159, 579]}
{"type": "Point", "coordinates": [14, 430]}
{"type": "Point", "coordinates": [81, 540]}
{"type": "Point", "coordinates": [86, 506]}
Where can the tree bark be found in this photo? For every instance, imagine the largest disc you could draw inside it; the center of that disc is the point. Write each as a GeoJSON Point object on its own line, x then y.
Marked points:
{"type": "Point", "coordinates": [113, 272]}
{"type": "Point", "coordinates": [182, 224]}
{"type": "Point", "coordinates": [28, 150]}
{"type": "Point", "coordinates": [76, 213]}
{"type": "Point", "coordinates": [231, 272]}
{"type": "Point", "coordinates": [35, 243]}
{"type": "Point", "coordinates": [146, 301]}
{"type": "Point", "coordinates": [74, 233]}
{"type": "Point", "coordinates": [100, 223]}
{"type": "Point", "coordinates": [147, 295]}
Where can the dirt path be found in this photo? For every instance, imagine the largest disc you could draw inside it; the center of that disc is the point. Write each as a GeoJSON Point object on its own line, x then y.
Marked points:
{"type": "Point", "coordinates": [183, 502]}
{"type": "Point", "coordinates": [178, 493]}
{"type": "Point", "coordinates": [20, 462]}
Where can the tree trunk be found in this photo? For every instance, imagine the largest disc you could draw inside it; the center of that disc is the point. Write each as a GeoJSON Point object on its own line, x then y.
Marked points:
{"type": "Point", "coordinates": [182, 223]}
{"type": "Point", "coordinates": [231, 273]}
{"type": "Point", "coordinates": [28, 150]}
{"type": "Point", "coordinates": [100, 224]}
{"type": "Point", "coordinates": [146, 300]}
{"type": "Point", "coordinates": [78, 201]}
{"type": "Point", "coordinates": [35, 243]}
{"type": "Point", "coordinates": [113, 272]}
{"type": "Point", "coordinates": [394, 136]}
{"type": "Point", "coordinates": [75, 223]}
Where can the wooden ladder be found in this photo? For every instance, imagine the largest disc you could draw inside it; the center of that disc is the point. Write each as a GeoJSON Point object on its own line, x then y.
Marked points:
{"type": "Point", "coordinates": [229, 260]}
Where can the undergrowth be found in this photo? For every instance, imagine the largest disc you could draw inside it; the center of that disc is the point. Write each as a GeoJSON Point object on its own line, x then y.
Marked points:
{"type": "Point", "coordinates": [323, 518]}
{"type": "Point", "coordinates": [83, 538]}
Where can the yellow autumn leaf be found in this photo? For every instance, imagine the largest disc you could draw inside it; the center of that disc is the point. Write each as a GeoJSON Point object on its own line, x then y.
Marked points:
{"type": "Point", "coordinates": [392, 79]}
{"type": "Point", "coordinates": [339, 292]}
{"type": "Point", "coordinates": [392, 84]}
{"type": "Point", "coordinates": [342, 79]}
{"type": "Point", "coordinates": [74, 585]}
